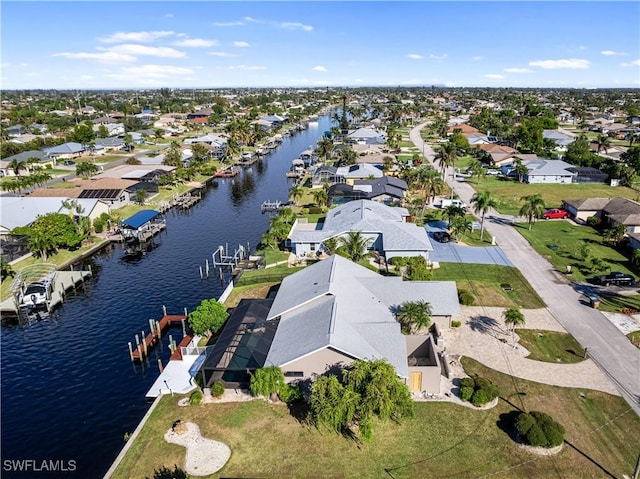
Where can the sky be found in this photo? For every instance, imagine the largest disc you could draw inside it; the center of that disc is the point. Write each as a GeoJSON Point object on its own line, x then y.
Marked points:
{"type": "Point", "coordinates": [210, 44]}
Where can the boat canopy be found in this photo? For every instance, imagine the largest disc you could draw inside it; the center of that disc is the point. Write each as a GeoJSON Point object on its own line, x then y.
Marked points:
{"type": "Point", "coordinates": [297, 162]}
{"type": "Point", "coordinates": [141, 217]}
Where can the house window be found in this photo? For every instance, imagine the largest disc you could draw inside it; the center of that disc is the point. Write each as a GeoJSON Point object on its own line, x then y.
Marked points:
{"type": "Point", "coordinates": [313, 247]}
{"type": "Point", "coordinates": [294, 374]}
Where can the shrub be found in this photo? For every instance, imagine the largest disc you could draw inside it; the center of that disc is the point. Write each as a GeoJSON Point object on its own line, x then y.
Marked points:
{"type": "Point", "coordinates": [98, 225]}
{"type": "Point", "coordinates": [539, 429]}
{"type": "Point", "coordinates": [481, 397]}
{"type": "Point", "coordinates": [217, 389]}
{"type": "Point", "coordinates": [456, 324]}
{"type": "Point", "coordinates": [315, 210]}
{"type": "Point", "coordinates": [468, 383]}
{"type": "Point", "coordinates": [196, 397]}
{"type": "Point", "coordinates": [290, 393]}
{"type": "Point", "coordinates": [593, 221]}
{"type": "Point", "coordinates": [465, 297]}
{"type": "Point", "coordinates": [466, 393]}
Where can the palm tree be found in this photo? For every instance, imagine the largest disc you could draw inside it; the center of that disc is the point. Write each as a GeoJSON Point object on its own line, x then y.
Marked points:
{"type": "Point", "coordinates": [460, 225]}
{"type": "Point", "coordinates": [533, 207]}
{"type": "Point", "coordinates": [325, 148]}
{"type": "Point", "coordinates": [446, 157]}
{"type": "Point", "coordinates": [320, 196]}
{"type": "Point", "coordinates": [296, 192]}
{"type": "Point", "coordinates": [482, 202]}
{"type": "Point", "coordinates": [604, 143]}
{"type": "Point", "coordinates": [15, 165]}
{"type": "Point", "coordinates": [520, 169]}
{"type": "Point", "coordinates": [513, 318]}
{"type": "Point", "coordinates": [451, 212]}
{"type": "Point", "coordinates": [353, 246]}
{"type": "Point", "coordinates": [414, 315]}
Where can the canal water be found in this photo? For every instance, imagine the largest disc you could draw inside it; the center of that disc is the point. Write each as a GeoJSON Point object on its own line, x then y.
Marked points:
{"type": "Point", "coordinates": [69, 391]}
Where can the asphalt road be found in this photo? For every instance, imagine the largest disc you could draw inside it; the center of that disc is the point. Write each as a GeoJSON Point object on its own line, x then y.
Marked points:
{"type": "Point", "coordinates": [605, 344]}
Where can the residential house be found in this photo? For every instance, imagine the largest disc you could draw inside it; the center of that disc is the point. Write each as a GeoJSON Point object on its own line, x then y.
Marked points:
{"type": "Point", "coordinates": [5, 170]}
{"type": "Point", "coordinates": [384, 226]}
{"type": "Point", "coordinates": [115, 192]}
{"type": "Point", "coordinates": [549, 171]}
{"type": "Point", "coordinates": [68, 150]}
{"type": "Point", "coordinates": [328, 315]}
{"type": "Point", "coordinates": [204, 113]}
{"type": "Point", "coordinates": [366, 136]}
{"type": "Point", "coordinates": [102, 145]}
{"type": "Point", "coordinates": [611, 211]}
{"type": "Point", "coordinates": [560, 139]}
{"type": "Point", "coordinates": [387, 190]}
{"type": "Point", "coordinates": [587, 174]}
{"type": "Point", "coordinates": [508, 159]}
{"type": "Point", "coordinates": [358, 172]}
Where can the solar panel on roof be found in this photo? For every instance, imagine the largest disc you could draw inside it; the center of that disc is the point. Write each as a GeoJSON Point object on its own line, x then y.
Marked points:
{"type": "Point", "coordinates": [99, 194]}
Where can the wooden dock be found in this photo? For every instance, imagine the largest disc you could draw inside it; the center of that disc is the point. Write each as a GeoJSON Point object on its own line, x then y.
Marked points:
{"type": "Point", "coordinates": [144, 346]}
{"type": "Point", "coordinates": [270, 206]}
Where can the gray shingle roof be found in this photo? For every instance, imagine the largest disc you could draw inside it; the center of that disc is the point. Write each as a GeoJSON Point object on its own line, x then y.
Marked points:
{"type": "Point", "coordinates": [339, 304]}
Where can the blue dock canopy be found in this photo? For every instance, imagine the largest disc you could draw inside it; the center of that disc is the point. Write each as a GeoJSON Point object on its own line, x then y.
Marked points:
{"type": "Point", "coordinates": [141, 217]}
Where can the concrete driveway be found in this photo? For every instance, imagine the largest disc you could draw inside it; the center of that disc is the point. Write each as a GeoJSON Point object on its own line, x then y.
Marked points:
{"type": "Point", "coordinates": [608, 348]}
{"type": "Point", "coordinates": [453, 252]}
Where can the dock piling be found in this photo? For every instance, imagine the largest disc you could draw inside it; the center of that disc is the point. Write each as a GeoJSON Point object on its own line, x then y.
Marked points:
{"type": "Point", "coordinates": [160, 365]}
{"type": "Point", "coordinates": [130, 351]}
{"type": "Point", "coordinates": [201, 277]}
{"type": "Point", "coordinates": [164, 310]}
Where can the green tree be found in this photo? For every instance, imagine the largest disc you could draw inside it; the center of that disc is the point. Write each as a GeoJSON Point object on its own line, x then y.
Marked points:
{"type": "Point", "coordinates": [82, 133]}
{"type": "Point", "coordinates": [533, 207]}
{"type": "Point", "coordinates": [200, 152]}
{"type": "Point", "coordinates": [103, 132]}
{"type": "Point", "coordinates": [86, 169]}
{"type": "Point", "coordinates": [267, 381]}
{"type": "Point", "coordinates": [296, 192]}
{"type": "Point", "coordinates": [414, 315]}
{"type": "Point", "coordinates": [347, 156]}
{"type": "Point", "coordinates": [50, 232]}
{"type": "Point", "coordinates": [15, 165]}
{"type": "Point", "coordinates": [320, 196]}
{"type": "Point", "coordinates": [173, 157]}
{"type": "Point", "coordinates": [325, 148]}
{"type": "Point", "coordinates": [353, 246]}
{"type": "Point", "coordinates": [520, 169]}
{"type": "Point", "coordinates": [513, 318]}
{"type": "Point", "coordinates": [208, 317]}
{"type": "Point", "coordinates": [141, 196]}
{"type": "Point", "coordinates": [482, 202]}
{"type": "Point", "coordinates": [332, 405]}
{"type": "Point", "coordinates": [459, 226]}
{"type": "Point", "coordinates": [451, 212]}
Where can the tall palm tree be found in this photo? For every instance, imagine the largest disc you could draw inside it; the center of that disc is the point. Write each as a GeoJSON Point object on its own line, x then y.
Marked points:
{"type": "Point", "coordinates": [296, 192]}
{"type": "Point", "coordinates": [452, 211]}
{"type": "Point", "coordinates": [533, 207]}
{"type": "Point", "coordinates": [520, 169]}
{"type": "Point", "coordinates": [353, 246]}
{"type": "Point", "coordinates": [320, 196]}
{"type": "Point", "coordinates": [460, 225]}
{"type": "Point", "coordinates": [482, 202]}
{"type": "Point", "coordinates": [414, 315]}
{"type": "Point", "coordinates": [446, 157]}
{"type": "Point", "coordinates": [15, 165]}
{"type": "Point", "coordinates": [325, 148]}
{"type": "Point", "coordinates": [513, 318]}
{"type": "Point", "coordinates": [604, 143]}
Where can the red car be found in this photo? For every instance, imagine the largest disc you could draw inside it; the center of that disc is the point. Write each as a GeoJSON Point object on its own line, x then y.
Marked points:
{"type": "Point", "coordinates": [555, 213]}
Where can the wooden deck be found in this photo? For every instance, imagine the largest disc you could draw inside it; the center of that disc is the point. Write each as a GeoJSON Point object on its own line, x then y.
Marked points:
{"type": "Point", "coordinates": [154, 337]}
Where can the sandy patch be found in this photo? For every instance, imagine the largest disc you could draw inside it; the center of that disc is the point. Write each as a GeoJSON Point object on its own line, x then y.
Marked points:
{"type": "Point", "coordinates": [204, 456]}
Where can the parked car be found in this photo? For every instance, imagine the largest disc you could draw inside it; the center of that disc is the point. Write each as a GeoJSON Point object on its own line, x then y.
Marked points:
{"type": "Point", "coordinates": [442, 236]}
{"type": "Point", "coordinates": [555, 213]}
{"type": "Point", "coordinates": [68, 162]}
{"type": "Point", "coordinates": [618, 278]}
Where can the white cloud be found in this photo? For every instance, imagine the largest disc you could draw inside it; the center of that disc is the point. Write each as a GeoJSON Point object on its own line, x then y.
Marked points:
{"type": "Point", "coordinates": [246, 67]}
{"type": "Point", "coordinates": [432, 56]}
{"type": "Point", "coordinates": [518, 70]}
{"type": "Point", "coordinates": [143, 37]}
{"type": "Point", "coordinates": [319, 68]}
{"type": "Point", "coordinates": [571, 63]}
{"type": "Point", "coordinates": [477, 58]}
{"type": "Point", "coordinates": [196, 43]}
{"type": "Point", "coordinates": [103, 57]}
{"type": "Point", "coordinates": [241, 44]}
{"type": "Point", "coordinates": [131, 49]}
{"type": "Point", "coordinates": [634, 63]}
{"type": "Point", "coordinates": [86, 77]}
{"type": "Point", "coordinates": [169, 15]}
{"type": "Point", "coordinates": [612, 53]}
{"type": "Point", "coordinates": [222, 54]}
{"type": "Point", "coordinates": [296, 26]}
{"type": "Point", "coordinates": [252, 20]}
{"type": "Point", "coordinates": [494, 76]}
{"type": "Point", "coordinates": [415, 56]}
{"type": "Point", "coordinates": [228, 24]}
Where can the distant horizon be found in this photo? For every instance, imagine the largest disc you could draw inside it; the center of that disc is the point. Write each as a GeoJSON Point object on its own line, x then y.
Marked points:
{"type": "Point", "coordinates": [309, 44]}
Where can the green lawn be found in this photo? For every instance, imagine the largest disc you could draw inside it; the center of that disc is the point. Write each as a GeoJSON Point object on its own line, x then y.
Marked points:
{"type": "Point", "coordinates": [441, 440]}
{"type": "Point", "coordinates": [267, 275]}
{"type": "Point", "coordinates": [509, 192]}
{"type": "Point", "coordinates": [559, 242]}
{"type": "Point", "coordinates": [616, 303]}
{"type": "Point", "coordinates": [634, 337]}
{"type": "Point", "coordinates": [484, 282]}
{"type": "Point", "coordinates": [551, 346]}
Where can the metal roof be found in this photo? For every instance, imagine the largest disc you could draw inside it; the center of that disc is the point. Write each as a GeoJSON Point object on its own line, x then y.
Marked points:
{"type": "Point", "coordinates": [141, 217]}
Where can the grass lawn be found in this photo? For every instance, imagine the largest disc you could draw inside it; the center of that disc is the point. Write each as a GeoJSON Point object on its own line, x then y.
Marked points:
{"type": "Point", "coordinates": [634, 337]}
{"type": "Point", "coordinates": [484, 282]}
{"type": "Point", "coordinates": [250, 291]}
{"type": "Point", "coordinates": [441, 440]}
{"type": "Point", "coordinates": [551, 346]}
{"type": "Point", "coordinates": [267, 275]}
{"type": "Point", "coordinates": [559, 242]}
{"type": "Point", "coordinates": [617, 303]}
{"type": "Point", "coordinates": [273, 255]}
{"type": "Point", "coordinates": [509, 192]}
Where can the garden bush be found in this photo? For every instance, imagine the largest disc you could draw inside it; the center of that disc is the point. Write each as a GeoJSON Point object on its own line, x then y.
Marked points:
{"type": "Point", "coordinates": [290, 393]}
{"type": "Point", "coordinates": [465, 297]}
{"type": "Point", "coordinates": [593, 221]}
{"type": "Point", "coordinates": [217, 389]}
{"type": "Point", "coordinates": [456, 324]}
{"type": "Point", "coordinates": [539, 429]}
{"type": "Point", "coordinates": [480, 397]}
{"type": "Point", "coordinates": [195, 398]}
{"type": "Point", "coordinates": [468, 383]}
{"type": "Point", "coordinates": [466, 393]}
{"type": "Point", "coordinates": [315, 210]}
{"type": "Point", "coordinates": [478, 390]}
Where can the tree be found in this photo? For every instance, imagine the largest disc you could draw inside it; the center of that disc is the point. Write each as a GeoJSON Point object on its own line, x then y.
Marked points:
{"type": "Point", "coordinates": [414, 315]}
{"type": "Point", "coordinates": [533, 207]}
{"type": "Point", "coordinates": [482, 202]}
{"type": "Point", "coordinates": [513, 318]}
{"type": "Point", "coordinates": [460, 225]}
{"type": "Point", "coordinates": [86, 169]}
{"type": "Point", "coordinates": [325, 148]}
{"type": "Point", "coordinates": [208, 317]}
{"type": "Point", "coordinates": [446, 157]}
{"type": "Point", "coordinates": [15, 165]}
{"type": "Point", "coordinates": [347, 156]}
{"type": "Point", "coordinates": [320, 196]}
{"type": "Point", "coordinates": [539, 429]}
{"type": "Point", "coordinates": [82, 133]}
{"type": "Point", "coordinates": [132, 160]}
{"type": "Point", "coordinates": [200, 152]}
{"type": "Point", "coordinates": [266, 381]}
{"type": "Point", "coordinates": [50, 232]}
{"type": "Point", "coordinates": [296, 192]}
{"type": "Point", "coordinates": [353, 246]}
{"type": "Point", "coordinates": [520, 169]}
{"type": "Point", "coordinates": [103, 132]}
{"type": "Point", "coordinates": [451, 212]}
{"type": "Point", "coordinates": [604, 143]}
{"type": "Point", "coordinates": [141, 196]}
{"type": "Point", "coordinates": [164, 472]}
{"type": "Point", "coordinates": [173, 157]}
{"type": "Point", "coordinates": [332, 405]}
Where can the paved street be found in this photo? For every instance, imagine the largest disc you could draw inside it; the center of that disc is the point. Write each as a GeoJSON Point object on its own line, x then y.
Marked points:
{"type": "Point", "coordinates": [606, 345]}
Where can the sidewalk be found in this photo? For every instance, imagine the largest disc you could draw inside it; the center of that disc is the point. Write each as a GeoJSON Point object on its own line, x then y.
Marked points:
{"type": "Point", "coordinates": [484, 337]}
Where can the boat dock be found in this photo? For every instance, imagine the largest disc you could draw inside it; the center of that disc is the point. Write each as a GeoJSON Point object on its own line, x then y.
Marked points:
{"type": "Point", "coordinates": [62, 283]}
{"type": "Point", "coordinates": [145, 343]}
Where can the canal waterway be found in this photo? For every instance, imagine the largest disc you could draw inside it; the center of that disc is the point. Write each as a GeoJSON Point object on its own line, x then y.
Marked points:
{"type": "Point", "coordinates": [69, 392]}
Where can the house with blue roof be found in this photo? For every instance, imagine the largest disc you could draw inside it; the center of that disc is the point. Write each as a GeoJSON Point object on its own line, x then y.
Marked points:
{"type": "Point", "coordinates": [384, 226]}
{"type": "Point", "coordinates": [67, 150]}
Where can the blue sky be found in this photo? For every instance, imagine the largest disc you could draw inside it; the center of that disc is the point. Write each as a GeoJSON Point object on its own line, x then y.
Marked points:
{"type": "Point", "coordinates": [148, 44]}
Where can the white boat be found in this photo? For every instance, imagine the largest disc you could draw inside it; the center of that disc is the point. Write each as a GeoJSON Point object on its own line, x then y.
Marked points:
{"type": "Point", "coordinates": [36, 293]}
